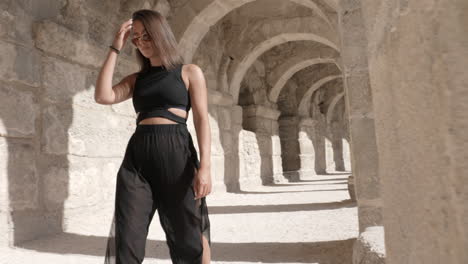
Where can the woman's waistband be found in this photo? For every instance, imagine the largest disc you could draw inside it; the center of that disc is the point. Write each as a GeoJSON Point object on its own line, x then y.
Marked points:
{"type": "Point", "coordinates": [161, 128]}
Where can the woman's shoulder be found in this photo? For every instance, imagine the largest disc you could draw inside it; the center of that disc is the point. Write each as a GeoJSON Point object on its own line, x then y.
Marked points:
{"type": "Point", "coordinates": [190, 66]}
{"type": "Point", "coordinates": [191, 70]}
{"type": "Point", "coordinates": [193, 76]}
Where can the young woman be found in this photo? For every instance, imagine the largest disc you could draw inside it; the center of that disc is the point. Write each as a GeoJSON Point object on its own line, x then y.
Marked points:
{"type": "Point", "coordinates": [160, 170]}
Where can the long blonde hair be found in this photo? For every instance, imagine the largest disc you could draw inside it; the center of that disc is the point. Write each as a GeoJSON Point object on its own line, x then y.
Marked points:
{"type": "Point", "coordinates": [163, 39]}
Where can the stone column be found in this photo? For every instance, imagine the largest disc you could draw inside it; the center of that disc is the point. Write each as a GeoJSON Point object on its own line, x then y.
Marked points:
{"type": "Point", "coordinates": [329, 154]}
{"type": "Point", "coordinates": [318, 138]}
{"type": "Point", "coordinates": [346, 154]}
{"type": "Point", "coordinates": [290, 147]}
{"type": "Point", "coordinates": [309, 156]}
{"type": "Point", "coordinates": [337, 145]}
{"type": "Point", "coordinates": [303, 148]}
{"type": "Point", "coordinates": [338, 154]}
{"type": "Point", "coordinates": [225, 123]}
{"type": "Point", "coordinates": [360, 113]}
{"type": "Point", "coordinates": [418, 60]}
{"type": "Point", "coordinates": [358, 99]}
{"type": "Point", "coordinates": [232, 171]}
{"type": "Point", "coordinates": [264, 122]}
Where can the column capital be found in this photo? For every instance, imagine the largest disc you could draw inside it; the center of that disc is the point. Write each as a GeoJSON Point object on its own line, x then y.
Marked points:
{"type": "Point", "coordinates": [289, 119]}
{"type": "Point", "coordinates": [261, 111]}
{"type": "Point", "coordinates": [219, 98]}
{"type": "Point", "coordinates": [307, 121]}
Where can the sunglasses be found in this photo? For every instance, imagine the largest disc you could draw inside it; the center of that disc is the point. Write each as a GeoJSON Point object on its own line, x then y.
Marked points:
{"type": "Point", "coordinates": [145, 37]}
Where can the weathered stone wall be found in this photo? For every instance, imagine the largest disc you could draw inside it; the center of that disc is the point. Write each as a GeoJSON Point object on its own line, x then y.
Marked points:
{"type": "Point", "coordinates": [418, 56]}
{"type": "Point", "coordinates": [60, 149]}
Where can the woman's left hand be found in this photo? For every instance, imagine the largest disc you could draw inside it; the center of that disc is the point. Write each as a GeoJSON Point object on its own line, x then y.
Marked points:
{"type": "Point", "coordinates": [202, 183]}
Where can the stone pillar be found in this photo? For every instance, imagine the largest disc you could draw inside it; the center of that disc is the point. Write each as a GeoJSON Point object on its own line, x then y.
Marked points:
{"type": "Point", "coordinates": [264, 122]}
{"type": "Point", "coordinates": [301, 139]}
{"type": "Point", "coordinates": [358, 99]}
{"type": "Point", "coordinates": [346, 154]}
{"type": "Point", "coordinates": [312, 147]}
{"type": "Point", "coordinates": [290, 147]}
{"type": "Point", "coordinates": [225, 123]}
{"type": "Point", "coordinates": [360, 113]}
{"type": "Point", "coordinates": [337, 145]}
{"type": "Point", "coordinates": [329, 154]}
{"type": "Point", "coordinates": [308, 151]}
{"type": "Point", "coordinates": [318, 134]}
{"type": "Point", "coordinates": [418, 58]}
{"type": "Point", "coordinates": [232, 171]}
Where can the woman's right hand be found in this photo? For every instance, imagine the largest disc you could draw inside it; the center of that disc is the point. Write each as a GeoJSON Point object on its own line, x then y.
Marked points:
{"type": "Point", "coordinates": [122, 34]}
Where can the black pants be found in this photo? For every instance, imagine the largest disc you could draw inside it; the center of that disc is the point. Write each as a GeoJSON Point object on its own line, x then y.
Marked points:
{"type": "Point", "coordinates": [157, 174]}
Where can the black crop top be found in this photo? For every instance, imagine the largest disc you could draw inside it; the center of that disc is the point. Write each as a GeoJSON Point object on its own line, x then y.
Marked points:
{"type": "Point", "coordinates": [159, 89]}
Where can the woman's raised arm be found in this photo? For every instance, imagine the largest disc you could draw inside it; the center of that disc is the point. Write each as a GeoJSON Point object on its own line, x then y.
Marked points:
{"type": "Point", "coordinates": [105, 93]}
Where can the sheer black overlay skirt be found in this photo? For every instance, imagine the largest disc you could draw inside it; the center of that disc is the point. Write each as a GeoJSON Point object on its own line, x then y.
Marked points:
{"type": "Point", "coordinates": [157, 174]}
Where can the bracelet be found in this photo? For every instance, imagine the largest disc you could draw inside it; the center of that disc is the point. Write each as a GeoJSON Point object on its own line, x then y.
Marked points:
{"type": "Point", "coordinates": [116, 50]}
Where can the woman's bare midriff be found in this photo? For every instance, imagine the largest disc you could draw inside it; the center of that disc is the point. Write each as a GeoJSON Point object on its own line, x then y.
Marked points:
{"type": "Point", "coordinates": [163, 120]}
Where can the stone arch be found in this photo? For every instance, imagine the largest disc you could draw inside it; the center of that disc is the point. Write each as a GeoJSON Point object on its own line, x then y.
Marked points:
{"type": "Point", "coordinates": [287, 70]}
{"type": "Point", "coordinates": [241, 68]}
{"type": "Point", "coordinates": [313, 6]}
{"type": "Point", "coordinates": [303, 108]}
{"type": "Point", "coordinates": [332, 105]}
{"type": "Point", "coordinates": [191, 35]}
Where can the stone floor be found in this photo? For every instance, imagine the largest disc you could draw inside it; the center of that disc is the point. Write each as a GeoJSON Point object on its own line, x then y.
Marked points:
{"type": "Point", "coordinates": [311, 221]}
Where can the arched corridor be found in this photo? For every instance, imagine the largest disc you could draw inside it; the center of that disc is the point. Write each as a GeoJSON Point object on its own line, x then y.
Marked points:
{"type": "Point", "coordinates": [337, 128]}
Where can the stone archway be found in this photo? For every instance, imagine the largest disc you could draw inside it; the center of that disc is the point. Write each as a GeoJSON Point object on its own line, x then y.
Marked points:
{"type": "Point", "coordinates": [331, 107]}
{"type": "Point", "coordinates": [192, 30]}
{"type": "Point", "coordinates": [242, 67]}
{"type": "Point", "coordinates": [289, 70]}
{"type": "Point", "coordinates": [336, 133]}
{"type": "Point", "coordinates": [304, 105]}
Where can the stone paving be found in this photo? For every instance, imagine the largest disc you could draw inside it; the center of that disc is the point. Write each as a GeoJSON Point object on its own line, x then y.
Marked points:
{"type": "Point", "coordinates": [310, 221]}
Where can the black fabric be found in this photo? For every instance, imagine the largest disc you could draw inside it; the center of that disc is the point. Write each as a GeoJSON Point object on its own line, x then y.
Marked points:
{"type": "Point", "coordinates": [160, 112]}
{"type": "Point", "coordinates": [157, 174]}
{"type": "Point", "coordinates": [158, 89]}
